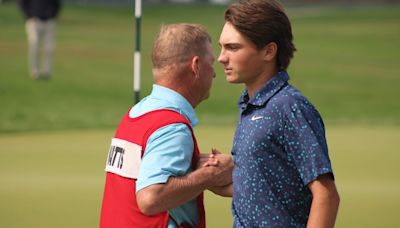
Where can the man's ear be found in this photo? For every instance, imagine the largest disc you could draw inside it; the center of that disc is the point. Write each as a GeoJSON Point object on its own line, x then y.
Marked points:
{"type": "Point", "coordinates": [270, 51]}
{"type": "Point", "coordinates": [195, 67]}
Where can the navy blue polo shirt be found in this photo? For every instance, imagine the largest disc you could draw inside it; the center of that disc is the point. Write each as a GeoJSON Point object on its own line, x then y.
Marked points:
{"type": "Point", "coordinates": [279, 147]}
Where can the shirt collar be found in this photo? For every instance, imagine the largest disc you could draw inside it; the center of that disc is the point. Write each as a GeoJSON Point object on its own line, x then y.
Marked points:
{"type": "Point", "coordinates": [266, 92]}
{"type": "Point", "coordinates": [175, 102]}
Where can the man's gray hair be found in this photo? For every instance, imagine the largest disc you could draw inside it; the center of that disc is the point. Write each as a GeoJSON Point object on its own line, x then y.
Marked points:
{"type": "Point", "coordinates": [177, 43]}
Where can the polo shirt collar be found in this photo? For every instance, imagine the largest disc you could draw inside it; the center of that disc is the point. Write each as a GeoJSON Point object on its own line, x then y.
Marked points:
{"type": "Point", "coordinates": [266, 92]}
{"type": "Point", "coordinates": [176, 102]}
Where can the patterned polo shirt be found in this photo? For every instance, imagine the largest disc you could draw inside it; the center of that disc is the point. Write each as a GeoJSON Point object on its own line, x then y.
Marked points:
{"type": "Point", "coordinates": [279, 147]}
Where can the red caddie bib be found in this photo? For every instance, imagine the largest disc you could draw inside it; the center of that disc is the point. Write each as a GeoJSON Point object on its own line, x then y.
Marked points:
{"type": "Point", "coordinates": [119, 207]}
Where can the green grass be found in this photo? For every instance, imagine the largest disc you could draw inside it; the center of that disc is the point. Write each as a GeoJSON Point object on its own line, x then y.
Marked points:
{"type": "Point", "coordinates": [347, 64]}
{"type": "Point", "coordinates": [56, 179]}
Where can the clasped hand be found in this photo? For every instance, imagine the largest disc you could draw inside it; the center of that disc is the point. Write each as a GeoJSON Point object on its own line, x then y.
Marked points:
{"type": "Point", "coordinates": [221, 166]}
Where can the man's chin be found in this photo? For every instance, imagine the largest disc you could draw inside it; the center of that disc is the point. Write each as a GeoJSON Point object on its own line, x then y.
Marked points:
{"type": "Point", "coordinates": [232, 80]}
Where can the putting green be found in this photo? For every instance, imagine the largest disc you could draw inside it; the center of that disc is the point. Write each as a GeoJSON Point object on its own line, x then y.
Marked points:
{"type": "Point", "coordinates": [55, 179]}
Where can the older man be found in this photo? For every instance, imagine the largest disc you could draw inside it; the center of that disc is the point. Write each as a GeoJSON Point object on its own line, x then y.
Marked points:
{"type": "Point", "coordinates": [152, 180]}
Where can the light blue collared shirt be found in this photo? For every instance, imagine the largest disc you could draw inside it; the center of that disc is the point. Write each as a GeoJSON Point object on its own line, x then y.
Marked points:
{"type": "Point", "coordinates": [169, 150]}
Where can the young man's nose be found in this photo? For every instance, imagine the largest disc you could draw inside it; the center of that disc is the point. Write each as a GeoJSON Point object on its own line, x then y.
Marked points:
{"type": "Point", "coordinates": [222, 58]}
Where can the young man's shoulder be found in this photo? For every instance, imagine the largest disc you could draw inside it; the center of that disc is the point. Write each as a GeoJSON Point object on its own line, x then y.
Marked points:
{"type": "Point", "coordinates": [290, 100]}
{"type": "Point", "coordinates": [289, 96]}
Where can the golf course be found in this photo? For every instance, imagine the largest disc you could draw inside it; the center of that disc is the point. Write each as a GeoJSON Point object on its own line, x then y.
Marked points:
{"type": "Point", "coordinates": [55, 134]}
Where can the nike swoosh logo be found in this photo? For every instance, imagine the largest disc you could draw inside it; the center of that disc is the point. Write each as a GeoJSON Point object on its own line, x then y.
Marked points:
{"type": "Point", "coordinates": [256, 117]}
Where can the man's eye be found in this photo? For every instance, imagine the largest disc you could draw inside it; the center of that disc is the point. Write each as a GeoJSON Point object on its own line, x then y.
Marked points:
{"type": "Point", "coordinates": [233, 48]}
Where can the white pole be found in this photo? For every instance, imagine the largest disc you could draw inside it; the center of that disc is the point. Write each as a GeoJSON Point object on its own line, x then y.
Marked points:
{"type": "Point", "coordinates": [137, 62]}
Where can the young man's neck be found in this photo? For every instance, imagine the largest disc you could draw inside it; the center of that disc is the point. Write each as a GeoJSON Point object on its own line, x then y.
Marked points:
{"type": "Point", "coordinates": [260, 81]}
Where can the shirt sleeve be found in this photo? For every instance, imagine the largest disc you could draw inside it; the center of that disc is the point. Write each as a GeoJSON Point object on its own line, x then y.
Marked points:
{"type": "Point", "coordinates": [305, 141]}
{"type": "Point", "coordinates": [169, 152]}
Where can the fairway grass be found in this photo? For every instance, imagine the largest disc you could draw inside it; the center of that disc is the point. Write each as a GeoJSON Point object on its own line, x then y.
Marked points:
{"type": "Point", "coordinates": [56, 179]}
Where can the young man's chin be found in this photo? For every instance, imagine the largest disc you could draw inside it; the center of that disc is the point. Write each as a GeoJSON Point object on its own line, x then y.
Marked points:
{"type": "Point", "coordinates": [232, 80]}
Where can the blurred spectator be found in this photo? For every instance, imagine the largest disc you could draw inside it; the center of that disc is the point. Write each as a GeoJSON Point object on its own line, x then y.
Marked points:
{"type": "Point", "coordinates": [40, 27]}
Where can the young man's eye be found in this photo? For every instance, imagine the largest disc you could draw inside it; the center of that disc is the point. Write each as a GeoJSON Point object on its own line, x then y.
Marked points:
{"type": "Point", "coordinates": [234, 48]}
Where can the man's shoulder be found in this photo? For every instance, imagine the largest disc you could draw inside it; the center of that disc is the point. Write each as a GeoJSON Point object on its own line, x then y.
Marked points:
{"type": "Point", "coordinates": [149, 104]}
{"type": "Point", "coordinates": [167, 120]}
{"type": "Point", "coordinates": [288, 96]}
{"type": "Point", "coordinates": [177, 130]}
{"type": "Point", "coordinates": [289, 100]}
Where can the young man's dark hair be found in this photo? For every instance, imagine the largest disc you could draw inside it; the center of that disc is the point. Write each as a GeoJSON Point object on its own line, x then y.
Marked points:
{"type": "Point", "coordinates": [283, 176]}
{"type": "Point", "coordinates": [263, 22]}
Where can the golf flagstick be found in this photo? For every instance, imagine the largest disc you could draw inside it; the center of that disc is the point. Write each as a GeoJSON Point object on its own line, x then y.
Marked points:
{"type": "Point", "coordinates": [136, 64]}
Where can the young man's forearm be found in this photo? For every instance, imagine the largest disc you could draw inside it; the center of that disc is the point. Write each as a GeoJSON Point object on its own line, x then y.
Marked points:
{"type": "Point", "coordinates": [225, 191]}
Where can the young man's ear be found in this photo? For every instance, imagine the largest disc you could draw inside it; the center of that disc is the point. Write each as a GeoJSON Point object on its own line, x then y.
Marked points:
{"type": "Point", "coordinates": [270, 51]}
{"type": "Point", "coordinates": [195, 67]}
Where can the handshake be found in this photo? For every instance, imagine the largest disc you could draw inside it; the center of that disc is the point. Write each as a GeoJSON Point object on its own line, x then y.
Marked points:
{"type": "Point", "coordinates": [220, 167]}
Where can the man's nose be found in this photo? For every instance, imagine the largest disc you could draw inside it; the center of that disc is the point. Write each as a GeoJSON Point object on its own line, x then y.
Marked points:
{"type": "Point", "coordinates": [222, 57]}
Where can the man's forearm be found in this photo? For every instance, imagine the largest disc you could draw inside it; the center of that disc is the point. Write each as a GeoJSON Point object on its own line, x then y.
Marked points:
{"type": "Point", "coordinates": [177, 191]}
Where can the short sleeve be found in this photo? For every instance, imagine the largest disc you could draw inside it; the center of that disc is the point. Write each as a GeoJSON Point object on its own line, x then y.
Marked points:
{"type": "Point", "coordinates": [305, 141]}
{"type": "Point", "coordinates": [169, 152]}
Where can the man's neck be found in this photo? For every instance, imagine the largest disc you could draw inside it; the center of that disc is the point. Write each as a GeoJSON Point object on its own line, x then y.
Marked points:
{"type": "Point", "coordinates": [254, 86]}
{"type": "Point", "coordinates": [182, 89]}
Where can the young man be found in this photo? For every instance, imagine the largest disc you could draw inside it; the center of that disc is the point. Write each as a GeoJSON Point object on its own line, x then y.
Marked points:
{"type": "Point", "coordinates": [282, 175]}
{"type": "Point", "coordinates": [152, 180]}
